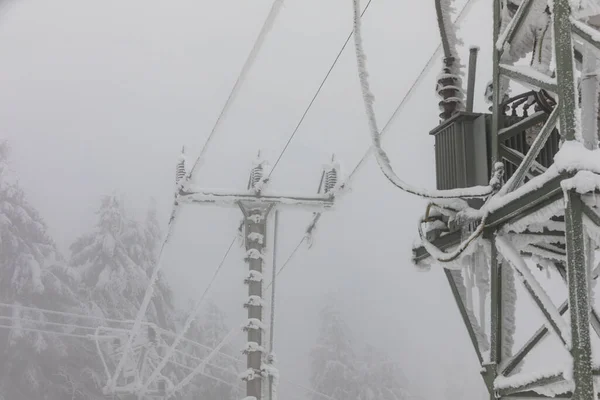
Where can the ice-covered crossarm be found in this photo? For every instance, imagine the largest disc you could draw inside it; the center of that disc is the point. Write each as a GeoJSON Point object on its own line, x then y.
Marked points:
{"type": "Point", "coordinates": [228, 198]}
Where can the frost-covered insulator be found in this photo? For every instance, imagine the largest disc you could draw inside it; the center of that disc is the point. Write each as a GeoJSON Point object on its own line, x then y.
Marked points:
{"type": "Point", "coordinates": [253, 347]}
{"type": "Point", "coordinates": [256, 237]}
{"type": "Point", "coordinates": [253, 254]}
{"type": "Point", "coordinates": [331, 179]}
{"type": "Point", "coordinates": [253, 276]}
{"type": "Point", "coordinates": [268, 368]}
{"type": "Point", "coordinates": [180, 169]}
{"type": "Point", "coordinates": [254, 324]}
{"type": "Point", "coordinates": [256, 175]}
{"type": "Point", "coordinates": [254, 301]}
{"type": "Point", "coordinates": [449, 88]}
{"type": "Point", "coordinates": [250, 374]}
{"type": "Point", "coordinates": [256, 217]}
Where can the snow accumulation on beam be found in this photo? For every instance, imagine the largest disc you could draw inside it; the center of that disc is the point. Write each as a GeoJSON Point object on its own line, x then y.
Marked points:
{"type": "Point", "coordinates": [529, 77]}
{"type": "Point", "coordinates": [572, 157]}
{"type": "Point", "coordinates": [526, 378]}
{"type": "Point", "coordinates": [585, 29]}
{"type": "Point", "coordinates": [228, 198]}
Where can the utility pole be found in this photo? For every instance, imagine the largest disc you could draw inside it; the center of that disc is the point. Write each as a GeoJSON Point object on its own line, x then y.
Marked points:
{"type": "Point", "coordinates": [255, 236]}
{"type": "Point", "coordinates": [256, 208]}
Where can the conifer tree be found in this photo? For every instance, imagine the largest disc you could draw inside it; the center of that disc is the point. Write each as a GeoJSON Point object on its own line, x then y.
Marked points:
{"type": "Point", "coordinates": [380, 378]}
{"type": "Point", "coordinates": [102, 258]}
{"type": "Point", "coordinates": [333, 364]}
{"type": "Point", "coordinates": [221, 378]}
{"type": "Point", "coordinates": [34, 364]}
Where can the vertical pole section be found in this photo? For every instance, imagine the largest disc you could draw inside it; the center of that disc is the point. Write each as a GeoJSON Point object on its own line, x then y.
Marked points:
{"type": "Point", "coordinates": [272, 322]}
{"type": "Point", "coordinates": [255, 222]}
{"type": "Point", "coordinates": [563, 48]}
{"type": "Point", "coordinates": [589, 99]}
{"type": "Point", "coordinates": [496, 312]}
{"type": "Point", "coordinates": [496, 95]}
{"type": "Point", "coordinates": [471, 78]}
{"type": "Point", "coordinates": [579, 302]}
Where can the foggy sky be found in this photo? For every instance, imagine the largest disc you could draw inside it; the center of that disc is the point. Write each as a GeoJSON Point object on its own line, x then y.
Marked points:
{"type": "Point", "coordinates": [101, 96]}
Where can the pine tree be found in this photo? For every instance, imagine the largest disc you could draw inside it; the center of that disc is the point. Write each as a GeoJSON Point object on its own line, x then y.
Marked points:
{"type": "Point", "coordinates": [103, 261]}
{"type": "Point", "coordinates": [333, 366]}
{"type": "Point", "coordinates": [33, 364]}
{"type": "Point", "coordinates": [379, 378]}
{"type": "Point", "coordinates": [221, 376]}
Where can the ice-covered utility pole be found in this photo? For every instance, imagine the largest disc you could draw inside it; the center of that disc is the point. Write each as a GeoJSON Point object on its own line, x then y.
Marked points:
{"type": "Point", "coordinates": [256, 208]}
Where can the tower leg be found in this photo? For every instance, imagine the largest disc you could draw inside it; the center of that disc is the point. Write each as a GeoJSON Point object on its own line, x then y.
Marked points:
{"type": "Point", "coordinates": [579, 302]}
{"type": "Point", "coordinates": [495, 314]}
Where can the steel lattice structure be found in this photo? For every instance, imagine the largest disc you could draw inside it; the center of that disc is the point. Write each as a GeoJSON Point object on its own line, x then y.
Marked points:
{"type": "Point", "coordinates": [545, 211]}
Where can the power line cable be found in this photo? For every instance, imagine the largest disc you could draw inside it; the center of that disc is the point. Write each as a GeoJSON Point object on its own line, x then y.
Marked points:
{"type": "Point", "coordinates": [189, 320]}
{"type": "Point", "coordinates": [312, 101]}
{"type": "Point", "coordinates": [266, 28]}
{"type": "Point", "coordinates": [380, 153]}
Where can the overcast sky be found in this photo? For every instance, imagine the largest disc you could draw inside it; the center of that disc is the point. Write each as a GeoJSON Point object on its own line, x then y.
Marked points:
{"type": "Point", "coordinates": [99, 97]}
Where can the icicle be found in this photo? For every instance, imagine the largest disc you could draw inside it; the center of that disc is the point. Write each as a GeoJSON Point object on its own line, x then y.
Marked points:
{"type": "Point", "coordinates": [482, 281]}
{"type": "Point", "coordinates": [482, 340]}
{"type": "Point", "coordinates": [509, 307]}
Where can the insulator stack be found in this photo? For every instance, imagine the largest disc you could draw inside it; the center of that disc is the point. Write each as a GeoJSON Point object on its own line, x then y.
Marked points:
{"type": "Point", "coordinates": [450, 90]}
{"type": "Point", "coordinates": [256, 175]}
{"type": "Point", "coordinates": [331, 179]}
{"type": "Point", "coordinates": [180, 169]}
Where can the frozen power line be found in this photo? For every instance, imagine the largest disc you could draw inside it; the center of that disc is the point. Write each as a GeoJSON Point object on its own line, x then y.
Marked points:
{"type": "Point", "coordinates": [266, 28]}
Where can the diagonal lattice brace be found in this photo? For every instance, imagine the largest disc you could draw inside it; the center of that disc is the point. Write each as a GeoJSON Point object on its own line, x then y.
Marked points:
{"type": "Point", "coordinates": [594, 317]}
{"type": "Point", "coordinates": [537, 293]}
{"type": "Point", "coordinates": [509, 365]}
{"type": "Point", "coordinates": [586, 33]}
{"type": "Point", "coordinates": [514, 26]}
{"type": "Point", "coordinates": [478, 341]}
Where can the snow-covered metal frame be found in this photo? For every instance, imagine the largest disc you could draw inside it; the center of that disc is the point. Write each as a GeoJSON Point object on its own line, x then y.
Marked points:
{"type": "Point", "coordinates": [540, 213]}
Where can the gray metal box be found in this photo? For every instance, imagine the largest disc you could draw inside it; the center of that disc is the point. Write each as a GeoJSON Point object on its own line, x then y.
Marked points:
{"type": "Point", "coordinates": [461, 153]}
